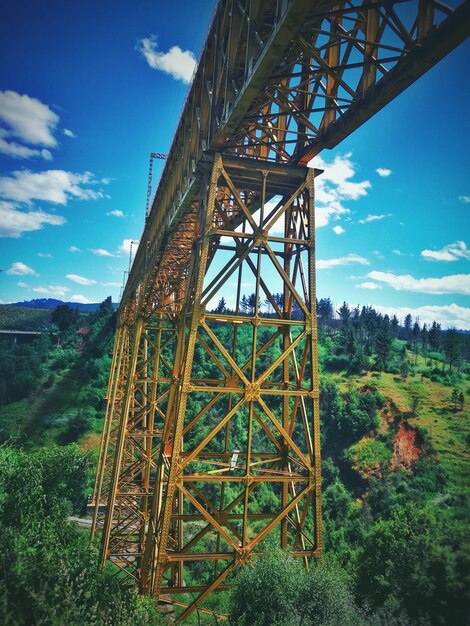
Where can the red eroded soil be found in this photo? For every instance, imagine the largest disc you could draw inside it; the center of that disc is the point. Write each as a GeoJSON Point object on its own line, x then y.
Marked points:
{"type": "Point", "coordinates": [82, 333]}
{"type": "Point", "coordinates": [406, 447]}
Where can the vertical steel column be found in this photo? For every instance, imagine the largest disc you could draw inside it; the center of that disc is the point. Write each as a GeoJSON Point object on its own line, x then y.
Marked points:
{"type": "Point", "coordinates": [155, 557]}
{"type": "Point", "coordinates": [126, 405]}
{"type": "Point", "coordinates": [315, 382]}
{"type": "Point", "coordinates": [112, 390]}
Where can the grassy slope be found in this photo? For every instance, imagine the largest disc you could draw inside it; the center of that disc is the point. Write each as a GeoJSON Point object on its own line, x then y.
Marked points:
{"type": "Point", "coordinates": [449, 430]}
{"type": "Point", "coordinates": [24, 420]}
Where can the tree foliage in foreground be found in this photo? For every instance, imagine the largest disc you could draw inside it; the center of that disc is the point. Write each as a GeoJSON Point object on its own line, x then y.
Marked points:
{"type": "Point", "coordinates": [408, 561]}
{"type": "Point", "coordinates": [276, 590]}
{"type": "Point", "coordinates": [48, 574]}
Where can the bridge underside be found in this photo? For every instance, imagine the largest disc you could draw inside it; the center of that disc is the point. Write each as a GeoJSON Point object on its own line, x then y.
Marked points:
{"type": "Point", "coordinates": [211, 437]}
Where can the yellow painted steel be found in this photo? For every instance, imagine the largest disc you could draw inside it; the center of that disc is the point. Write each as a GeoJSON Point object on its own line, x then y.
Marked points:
{"type": "Point", "coordinates": [162, 490]}
{"type": "Point", "coordinates": [197, 468]}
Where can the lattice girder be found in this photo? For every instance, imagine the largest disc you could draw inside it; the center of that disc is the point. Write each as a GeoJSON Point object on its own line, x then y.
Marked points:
{"type": "Point", "coordinates": [206, 506]}
{"type": "Point", "coordinates": [281, 80]}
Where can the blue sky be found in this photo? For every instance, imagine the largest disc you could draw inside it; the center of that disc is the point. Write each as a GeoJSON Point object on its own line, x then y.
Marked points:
{"type": "Point", "coordinates": [89, 89]}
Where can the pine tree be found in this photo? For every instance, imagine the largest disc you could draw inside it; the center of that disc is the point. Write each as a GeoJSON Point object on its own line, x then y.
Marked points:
{"type": "Point", "coordinates": [416, 336]}
{"type": "Point", "coordinates": [435, 336]}
{"type": "Point", "coordinates": [325, 311]}
{"type": "Point", "coordinates": [221, 306]}
{"type": "Point", "coordinates": [395, 324]}
{"type": "Point", "coordinates": [383, 346]}
{"type": "Point", "coordinates": [344, 313]}
{"type": "Point", "coordinates": [452, 347]}
{"type": "Point", "coordinates": [424, 336]}
{"type": "Point", "coordinates": [407, 327]}
{"type": "Point", "coordinates": [404, 368]}
{"type": "Point", "coordinates": [248, 304]}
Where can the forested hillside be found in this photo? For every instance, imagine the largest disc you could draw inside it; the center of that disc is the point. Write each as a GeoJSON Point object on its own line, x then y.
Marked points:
{"type": "Point", "coordinates": [396, 470]}
{"type": "Point", "coordinates": [20, 318]}
{"type": "Point", "coordinates": [51, 388]}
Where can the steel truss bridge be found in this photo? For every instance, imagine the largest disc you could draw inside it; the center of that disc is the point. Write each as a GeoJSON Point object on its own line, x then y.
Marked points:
{"type": "Point", "coordinates": [197, 469]}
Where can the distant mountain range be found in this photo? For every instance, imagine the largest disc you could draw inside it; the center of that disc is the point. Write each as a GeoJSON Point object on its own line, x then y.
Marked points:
{"type": "Point", "coordinates": [52, 303]}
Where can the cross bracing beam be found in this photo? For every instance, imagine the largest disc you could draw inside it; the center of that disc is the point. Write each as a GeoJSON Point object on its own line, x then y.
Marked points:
{"type": "Point", "coordinates": [193, 450]}
{"type": "Point", "coordinates": [179, 471]}
{"type": "Point", "coordinates": [282, 79]}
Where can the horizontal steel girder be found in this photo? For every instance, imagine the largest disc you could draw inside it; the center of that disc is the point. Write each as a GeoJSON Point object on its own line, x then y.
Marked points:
{"type": "Point", "coordinates": [283, 79]}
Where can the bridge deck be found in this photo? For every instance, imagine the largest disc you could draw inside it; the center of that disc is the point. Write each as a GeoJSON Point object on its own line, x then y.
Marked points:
{"type": "Point", "coordinates": [283, 79]}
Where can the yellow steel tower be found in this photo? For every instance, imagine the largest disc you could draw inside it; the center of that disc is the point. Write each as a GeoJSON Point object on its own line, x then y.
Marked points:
{"type": "Point", "coordinates": [211, 436]}
{"type": "Point", "coordinates": [208, 463]}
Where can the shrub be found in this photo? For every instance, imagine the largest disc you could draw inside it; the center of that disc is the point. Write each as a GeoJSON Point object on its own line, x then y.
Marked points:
{"type": "Point", "coordinates": [359, 416]}
{"type": "Point", "coordinates": [77, 426]}
{"type": "Point", "coordinates": [369, 453]}
{"type": "Point", "coordinates": [410, 561]}
{"type": "Point", "coordinates": [62, 358]}
{"type": "Point", "coordinates": [50, 575]}
{"type": "Point", "coordinates": [266, 592]}
{"type": "Point", "coordinates": [337, 363]}
{"type": "Point", "coordinates": [326, 598]}
{"type": "Point", "coordinates": [276, 590]}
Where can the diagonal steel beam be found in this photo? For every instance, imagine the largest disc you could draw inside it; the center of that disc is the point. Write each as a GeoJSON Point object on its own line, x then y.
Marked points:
{"type": "Point", "coordinates": [442, 40]}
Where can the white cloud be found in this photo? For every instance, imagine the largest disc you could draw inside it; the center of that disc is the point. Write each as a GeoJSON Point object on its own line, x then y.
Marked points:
{"type": "Point", "coordinates": [81, 280]}
{"type": "Point", "coordinates": [369, 285]}
{"type": "Point", "coordinates": [448, 316]}
{"type": "Point", "coordinates": [21, 283]}
{"type": "Point", "coordinates": [372, 218]}
{"type": "Point", "coordinates": [28, 119]}
{"type": "Point", "coordinates": [80, 299]}
{"type": "Point", "coordinates": [111, 284]}
{"type": "Point", "coordinates": [15, 221]}
{"type": "Point", "coordinates": [101, 252]}
{"type": "Point", "coordinates": [242, 285]}
{"type": "Point", "coordinates": [344, 260]}
{"type": "Point", "coordinates": [383, 171]}
{"type": "Point", "coordinates": [334, 187]}
{"type": "Point", "coordinates": [457, 283]}
{"type": "Point", "coordinates": [45, 255]}
{"type": "Point", "coordinates": [339, 172]}
{"type": "Point", "coordinates": [16, 150]}
{"type": "Point", "coordinates": [398, 252]}
{"type": "Point", "coordinates": [52, 291]}
{"type": "Point", "coordinates": [127, 244]}
{"type": "Point", "coordinates": [21, 269]}
{"type": "Point", "coordinates": [56, 186]}
{"type": "Point", "coordinates": [69, 133]}
{"type": "Point", "coordinates": [465, 199]}
{"type": "Point", "coordinates": [323, 214]}
{"type": "Point", "coordinates": [74, 249]}
{"type": "Point", "coordinates": [339, 230]}
{"type": "Point", "coordinates": [452, 252]}
{"type": "Point", "coordinates": [116, 213]}
{"type": "Point", "coordinates": [178, 63]}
